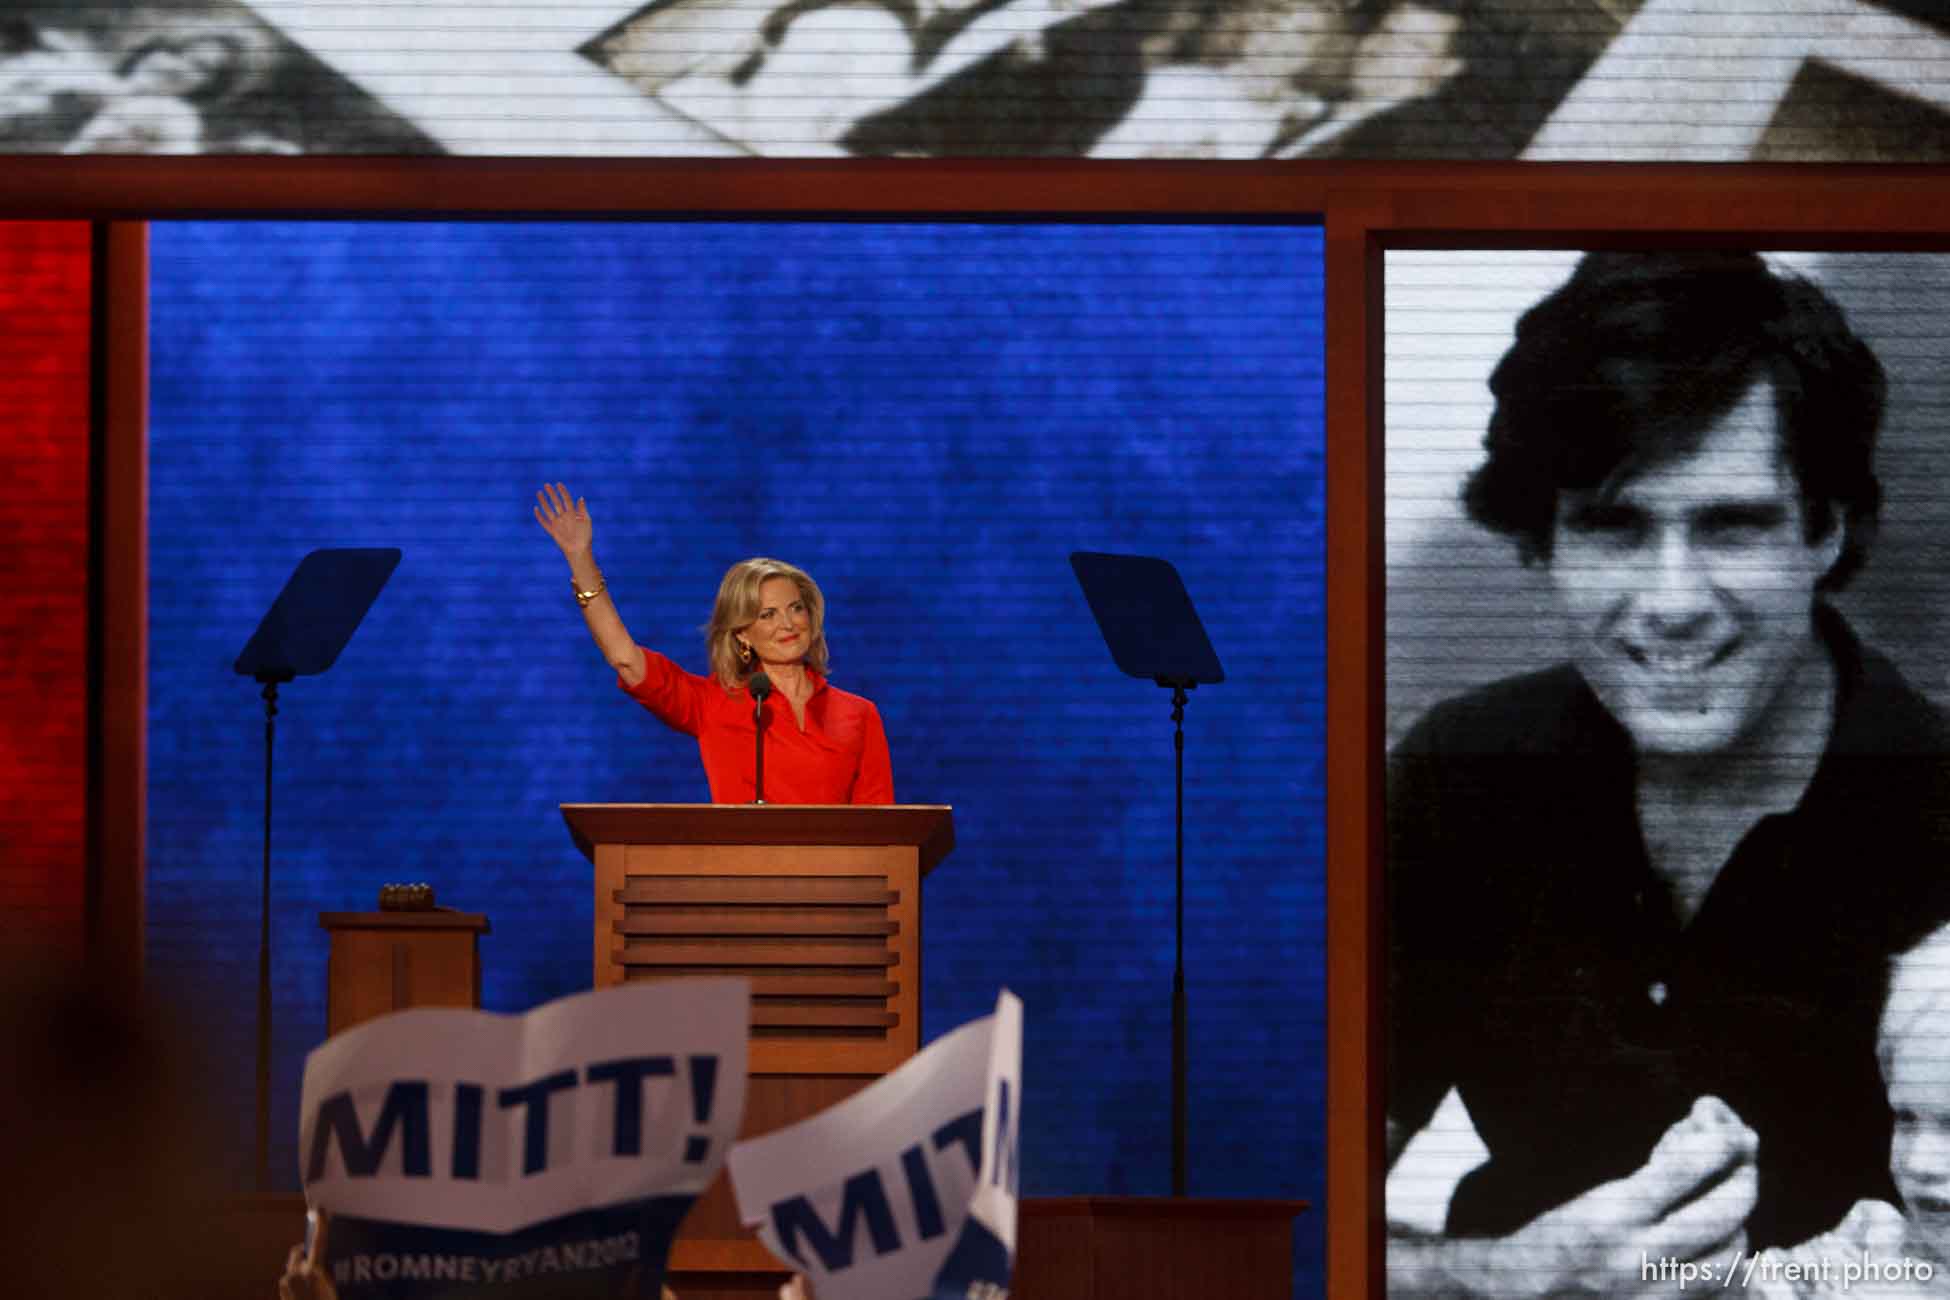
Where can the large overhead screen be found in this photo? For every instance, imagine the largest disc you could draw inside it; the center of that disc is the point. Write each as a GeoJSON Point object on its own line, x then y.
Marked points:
{"type": "Point", "coordinates": [1615, 80]}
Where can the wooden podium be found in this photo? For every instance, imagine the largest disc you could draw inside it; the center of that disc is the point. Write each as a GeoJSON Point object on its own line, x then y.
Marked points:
{"type": "Point", "coordinates": [820, 906]}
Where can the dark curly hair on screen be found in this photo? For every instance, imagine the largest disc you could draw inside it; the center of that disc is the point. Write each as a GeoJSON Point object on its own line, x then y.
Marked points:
{"type": "Point", "coordinates": [1630, 361]}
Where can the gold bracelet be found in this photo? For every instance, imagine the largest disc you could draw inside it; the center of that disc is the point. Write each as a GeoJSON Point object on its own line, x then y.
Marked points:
{"type": "Point", "coordinates": [584, 597]}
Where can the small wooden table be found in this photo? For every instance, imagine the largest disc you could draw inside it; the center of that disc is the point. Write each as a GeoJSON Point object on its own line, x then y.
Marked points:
{"type": "Point", "coordinates": [388, 961]}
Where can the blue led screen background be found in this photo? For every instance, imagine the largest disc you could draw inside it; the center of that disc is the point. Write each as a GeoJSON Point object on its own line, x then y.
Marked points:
{"type": "Point", "coordinates": [927, 417]}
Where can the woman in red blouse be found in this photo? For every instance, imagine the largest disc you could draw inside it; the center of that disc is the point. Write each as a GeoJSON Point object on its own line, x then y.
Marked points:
{"type": "Point", "coordinates": [822, 744]}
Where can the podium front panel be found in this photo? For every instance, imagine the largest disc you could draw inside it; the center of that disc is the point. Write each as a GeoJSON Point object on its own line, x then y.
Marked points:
{"type": "Point", "coordinates": [828, 934]}
{"type": "Point", "coordinates": [820, 908]}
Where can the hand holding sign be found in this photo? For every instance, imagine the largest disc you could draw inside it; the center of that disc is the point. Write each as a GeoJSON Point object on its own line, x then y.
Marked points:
{"type": "Point", "coordinates": [305, 1277]}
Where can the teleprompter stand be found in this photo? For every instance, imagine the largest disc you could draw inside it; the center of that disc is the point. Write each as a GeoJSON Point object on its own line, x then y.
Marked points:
{"type": "Point", "coordinates": [300, 635]}
{"type": "Point", "coordinates": [1147, 619]}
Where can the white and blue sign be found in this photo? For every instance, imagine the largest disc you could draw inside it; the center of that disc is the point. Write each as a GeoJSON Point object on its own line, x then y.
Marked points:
{"type": "Point", "coordinates": [462, 1153]}
{"type": "Point", "coordinates": [907, 1190]}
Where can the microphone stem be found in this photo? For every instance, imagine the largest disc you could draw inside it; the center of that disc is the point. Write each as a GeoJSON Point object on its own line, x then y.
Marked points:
{"type": "Point", "coordinates": [761, 689]}
{"type": "Point", "coordinates": [758, 767]}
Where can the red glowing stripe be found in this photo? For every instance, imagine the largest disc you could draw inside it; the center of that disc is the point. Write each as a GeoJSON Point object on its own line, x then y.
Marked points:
{"type": "Point", "coordinates": [44, 366]}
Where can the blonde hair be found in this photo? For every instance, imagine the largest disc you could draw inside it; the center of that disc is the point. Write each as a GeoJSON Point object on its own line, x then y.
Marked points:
{"type": "Point", "coordinates": [738, 606]}
{"type": "Point", "coordinates": [1918, 997]}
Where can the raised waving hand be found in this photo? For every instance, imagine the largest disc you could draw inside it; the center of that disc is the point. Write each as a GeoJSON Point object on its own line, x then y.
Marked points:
{"type": "Point", "coordinates": [565, 520]}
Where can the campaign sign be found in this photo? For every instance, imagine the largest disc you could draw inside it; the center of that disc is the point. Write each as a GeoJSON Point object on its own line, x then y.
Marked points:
{"type": "Point", "coordinates": [467, 1154]}
{"type": "Point", "coordinates": [906, 1190]}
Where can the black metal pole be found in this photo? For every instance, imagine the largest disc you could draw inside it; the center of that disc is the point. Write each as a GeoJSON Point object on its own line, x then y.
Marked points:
{"type": "Point", "coordinates": [1178, 969]}
{"type": "Point", "coordinates": [264, 958]}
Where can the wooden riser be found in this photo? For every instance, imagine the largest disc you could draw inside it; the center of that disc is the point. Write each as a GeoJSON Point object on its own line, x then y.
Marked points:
{"type": "Point", "coordinates": [1067, 1248]}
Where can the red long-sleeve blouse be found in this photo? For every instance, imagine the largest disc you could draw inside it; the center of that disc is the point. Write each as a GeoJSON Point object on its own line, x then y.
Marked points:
{"type": "Point", "coordinates": [839, 757]}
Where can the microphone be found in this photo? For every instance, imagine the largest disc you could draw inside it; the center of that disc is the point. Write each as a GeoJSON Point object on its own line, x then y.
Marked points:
{"type": "Point", "coordinates": [760, 686]}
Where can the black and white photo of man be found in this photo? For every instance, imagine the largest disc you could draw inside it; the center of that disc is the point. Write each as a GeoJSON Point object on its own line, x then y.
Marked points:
{"type": "Point", "coordinates": [1641, 899]}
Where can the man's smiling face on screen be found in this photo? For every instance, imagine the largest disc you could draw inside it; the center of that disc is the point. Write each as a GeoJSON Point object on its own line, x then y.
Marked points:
{"type": "Point", "coordinates": [1689, 586]}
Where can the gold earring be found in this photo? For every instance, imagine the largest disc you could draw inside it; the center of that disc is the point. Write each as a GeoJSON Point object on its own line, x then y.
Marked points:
{"type": "Point", "coordinates": [744, 653]}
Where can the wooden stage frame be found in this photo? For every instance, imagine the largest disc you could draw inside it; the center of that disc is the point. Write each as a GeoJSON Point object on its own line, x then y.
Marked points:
{"type": "Point", "coordinates": [1366, 209]}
